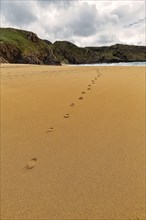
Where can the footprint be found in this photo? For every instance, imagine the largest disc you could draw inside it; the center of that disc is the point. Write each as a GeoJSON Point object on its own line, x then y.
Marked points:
{"type": "Point", "coordinates": [31, 163]}
{"type": "Point", "coordinates": [50, 129]}
{"type": "Point", "coordinates": [89, 85]}
{"type": "Point", "coordinates": [95, 78]}
{"type": "Point", "coordinates": [89, 88]}
{"type": "Point", "coordinates": [97, 71]}
{"type": "Point", "coordinates": [80, 98]}
{"type": "Point", "coordinates": [83, 92]}
{"type": "Point", "coordinates": [66, 116]}
{"type": "Point", "coordinates": [72, 104]}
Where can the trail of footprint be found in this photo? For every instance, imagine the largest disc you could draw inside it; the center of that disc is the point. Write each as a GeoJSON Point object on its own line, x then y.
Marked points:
{"type": "Point", "coordinates": [31, 164]}
{"type": "Point", "coordinates": [98, 73]}
{"type": "Point", "coordinates": [72, 104]}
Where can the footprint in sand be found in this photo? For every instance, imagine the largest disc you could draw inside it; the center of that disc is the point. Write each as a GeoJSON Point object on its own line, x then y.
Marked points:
{"type": "Point", "coordinates": [95, 78]}
{"type": "Point", "coordinates": [80, 98]}
{"type": "Point", "coordinates": [99, 74]}
{"type": "Point", "coordinates": [88, 88]}
{"type": "Point", "coordinates": [66, 116]}
{"type": "Point", "coordinates": [89, 85]}
{"type": "Point", "coordinates": [83, 92]}
{"type": "Point", "coordinates": [97, 71]}
{"type": "Point", "coordinates": [50, 129]}
{"type": "Point", "coordinates": [31, 163]}
{"type": "Point", "coordinates": [72, 104]}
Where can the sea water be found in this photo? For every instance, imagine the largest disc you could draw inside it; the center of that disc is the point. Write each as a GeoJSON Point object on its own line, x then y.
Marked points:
{"type": "Point", "coordinates": [114, 64]}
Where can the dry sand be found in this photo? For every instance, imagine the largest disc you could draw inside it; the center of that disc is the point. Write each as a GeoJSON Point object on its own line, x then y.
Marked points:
{"type": "Point", "coordinates": [89, 165]}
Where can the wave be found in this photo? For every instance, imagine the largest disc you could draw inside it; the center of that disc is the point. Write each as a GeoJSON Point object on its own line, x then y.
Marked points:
{"type": "Point", "coordinates": [114, 64]}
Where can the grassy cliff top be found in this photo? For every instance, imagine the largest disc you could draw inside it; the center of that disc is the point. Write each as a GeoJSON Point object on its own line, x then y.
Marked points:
{"type": "Point", "coordinates": [26, 41]}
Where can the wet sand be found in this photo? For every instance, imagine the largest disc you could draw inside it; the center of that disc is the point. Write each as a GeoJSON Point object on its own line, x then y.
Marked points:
{"type": "Point", "coordinates": [72, 142]}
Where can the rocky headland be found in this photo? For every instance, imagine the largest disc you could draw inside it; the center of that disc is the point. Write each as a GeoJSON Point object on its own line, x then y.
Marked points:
{"type": "Point", "coordinates": [20, 46]}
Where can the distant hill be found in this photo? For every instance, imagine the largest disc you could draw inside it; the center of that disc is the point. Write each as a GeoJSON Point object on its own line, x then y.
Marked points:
{"type": "Point", "coordinates": [121, 53]}
{"type": "Point", "coordinates": [19, 46]}
{"type": "Point", "coordinates": [69, 53]}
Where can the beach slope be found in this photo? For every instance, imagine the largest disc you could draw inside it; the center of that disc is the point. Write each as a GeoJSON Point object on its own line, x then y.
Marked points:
{"type": "Point", "coordinates": [72, 142]}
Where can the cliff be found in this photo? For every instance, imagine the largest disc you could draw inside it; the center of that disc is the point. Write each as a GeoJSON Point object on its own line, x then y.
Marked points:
{"type": "Point", "coordinates": [67, 52]}
{"type": "Point", "coordinates": [19, 46]}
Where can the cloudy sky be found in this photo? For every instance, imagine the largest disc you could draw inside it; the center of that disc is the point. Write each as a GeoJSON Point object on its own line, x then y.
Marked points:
{"type": "Point", "coordinates": [84, 23]}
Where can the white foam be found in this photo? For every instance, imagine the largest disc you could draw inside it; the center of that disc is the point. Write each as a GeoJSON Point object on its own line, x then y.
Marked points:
{"type": "Point", "coordinates": [114, 64]}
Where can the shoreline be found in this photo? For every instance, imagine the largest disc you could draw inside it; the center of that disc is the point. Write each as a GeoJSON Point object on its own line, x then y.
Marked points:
{"type": "Point", "coordinates": [141, 63]}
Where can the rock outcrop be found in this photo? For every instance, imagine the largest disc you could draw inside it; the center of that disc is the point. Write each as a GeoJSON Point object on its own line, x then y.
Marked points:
{"type": "Point", "coordinates": [19, 46]}
{"type": "Point", "coordinates": [10, 53]}
{"type": "Point", "coordinates": [2, 60]}
{"type": "Point", "coordinates": [120, 53]}
{"type": "Point", "coordinates": [69, 53]}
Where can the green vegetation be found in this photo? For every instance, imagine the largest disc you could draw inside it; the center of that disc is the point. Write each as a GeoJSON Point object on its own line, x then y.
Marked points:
{"type": "Point", "coordinates": [21, 46]}
{"type": "Point", "coordinates": [20, 40]}
{"type": "Point", "coordinates": [121, 53]}
{"type": "Point", "coordinates": [67, 52]}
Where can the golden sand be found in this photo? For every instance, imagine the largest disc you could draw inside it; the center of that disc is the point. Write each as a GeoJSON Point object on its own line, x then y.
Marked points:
{"type": "Point", "coordinates": [85, 156]}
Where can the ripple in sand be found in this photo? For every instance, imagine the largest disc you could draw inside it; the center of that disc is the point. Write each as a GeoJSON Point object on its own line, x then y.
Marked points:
{"type": "Point", "coordinates": [31, 163]}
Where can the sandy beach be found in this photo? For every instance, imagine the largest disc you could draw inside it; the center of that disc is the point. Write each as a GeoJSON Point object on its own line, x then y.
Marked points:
{"type": "Point", "coordinates": [72, 142]}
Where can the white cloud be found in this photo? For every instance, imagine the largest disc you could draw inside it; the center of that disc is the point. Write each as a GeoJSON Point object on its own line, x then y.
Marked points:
{"type": "Point", "coordinates": [82, 22]}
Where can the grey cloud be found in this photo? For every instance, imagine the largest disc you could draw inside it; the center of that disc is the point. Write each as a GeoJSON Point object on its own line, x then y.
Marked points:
{"type": "Point", "coordinates": [106, 39]}
{"type": "Point", "coordinates": [17, 13]}
{"type": "Point", "coordinates": [128, 12]}
{"type": "Point", "coordinates": [121, 11]}
{"type": "Point", "coordinates": [85, 22]}
{"type": "Point", "coordinates": [57, 4]}
{"type": "Point", "coordinates": [79, 21]}
{"type": "Point", "coordinates": [136, 22]}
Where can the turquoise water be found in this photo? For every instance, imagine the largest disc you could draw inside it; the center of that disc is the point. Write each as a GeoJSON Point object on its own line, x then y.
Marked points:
{"type": "Point", "coordinates": [114, 64]}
